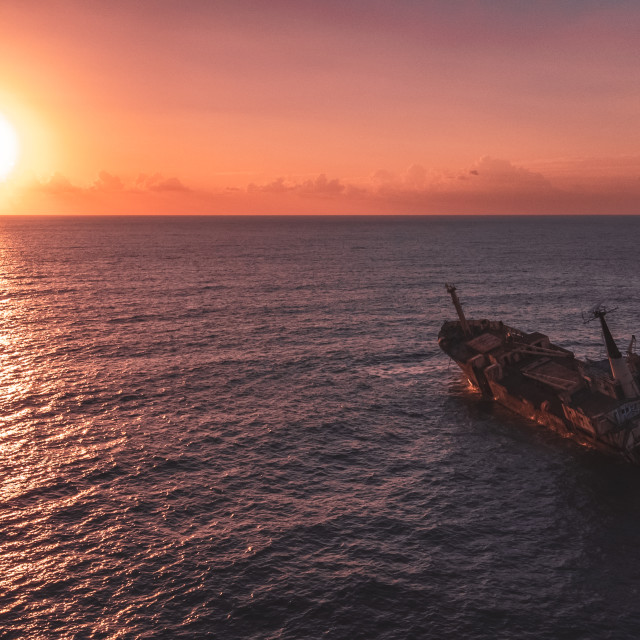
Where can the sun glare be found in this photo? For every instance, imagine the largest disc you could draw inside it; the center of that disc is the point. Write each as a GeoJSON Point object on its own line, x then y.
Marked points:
{"type": "Point", "coordinates": [8, 147]}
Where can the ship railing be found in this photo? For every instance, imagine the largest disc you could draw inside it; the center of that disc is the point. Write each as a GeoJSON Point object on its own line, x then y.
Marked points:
{"type": "Point", "coordinates": [541, 351]}
{"type": "Point", "coordinates": [494, 325]}
{"type": "Point", "coordinates": [553, 381]}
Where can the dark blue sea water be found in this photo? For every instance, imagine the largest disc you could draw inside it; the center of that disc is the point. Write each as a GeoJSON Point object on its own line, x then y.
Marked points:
{"type": "Point", "coordinates": [243, 428]}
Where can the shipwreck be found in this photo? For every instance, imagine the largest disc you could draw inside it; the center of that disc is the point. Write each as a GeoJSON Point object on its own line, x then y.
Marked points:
{"type": "Point", "coordinates": [595, 402]}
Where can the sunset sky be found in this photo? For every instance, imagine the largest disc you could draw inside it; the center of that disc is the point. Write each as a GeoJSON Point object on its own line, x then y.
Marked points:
{"type": "Point", "coordinates": [325, 106]}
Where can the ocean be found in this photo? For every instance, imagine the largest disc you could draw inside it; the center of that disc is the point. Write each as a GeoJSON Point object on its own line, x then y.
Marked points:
{"type": "Point", "coordinates": [225, 427]}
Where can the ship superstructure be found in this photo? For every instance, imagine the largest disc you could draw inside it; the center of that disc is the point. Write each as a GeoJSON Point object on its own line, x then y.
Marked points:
{"type": "Point", "coordinates": [593, 401]}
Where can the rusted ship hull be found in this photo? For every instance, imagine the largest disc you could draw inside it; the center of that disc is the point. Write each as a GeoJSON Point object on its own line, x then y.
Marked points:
{"type": "Point", "coordinates": [593, 402]}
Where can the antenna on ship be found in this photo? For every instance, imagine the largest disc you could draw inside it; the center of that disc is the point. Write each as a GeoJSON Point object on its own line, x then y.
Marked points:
{"type": "Point", "coordinates": [451, 290]}
{"type": "Point", "coordinates": [619, 368]}
{"type": "Point", "coordinates": [631, 349]}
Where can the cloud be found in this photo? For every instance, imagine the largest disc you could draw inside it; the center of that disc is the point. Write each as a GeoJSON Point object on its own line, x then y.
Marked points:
{"type": "Point", "coordinates": [488, 186]}
{"type": "Point", "coordinates": [500, 175]}
{"type": "Point", "coordinates": [382, 177]}
{"type": "Point", "coordinates": [487, 174]}
{"type": "Point", "coordinates": [108, 193]}
{"type": "Point", "coordinates": [322, 186]}
{"type": "Point", "coordinates": [157, 182]}
{"type": "Point", "coordinates": [593, 173]}
{"type": "Point", "coordinates": [319, 186]}
{"type": "Point", "coordinates": [279, 185]}
{"type": "Point", "coordinates": [416, 176]}
{"type": "Point", "coordinates": [56, 184]}
{"type": "Point", "coordinates": [108, 182]}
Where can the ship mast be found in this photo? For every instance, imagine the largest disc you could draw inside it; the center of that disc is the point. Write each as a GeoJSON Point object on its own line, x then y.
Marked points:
{"type": "Point", "coordinates": [451, 290]}
{"type": "Point", "coordinates": [619, 367]}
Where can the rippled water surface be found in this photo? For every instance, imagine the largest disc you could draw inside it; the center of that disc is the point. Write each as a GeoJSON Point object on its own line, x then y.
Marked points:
{"type": "Point", "coordinates": [243, 428]}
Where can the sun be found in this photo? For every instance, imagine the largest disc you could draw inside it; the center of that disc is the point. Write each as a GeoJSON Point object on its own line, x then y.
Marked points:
{"type": "Point", "coordinates": [9, 147]}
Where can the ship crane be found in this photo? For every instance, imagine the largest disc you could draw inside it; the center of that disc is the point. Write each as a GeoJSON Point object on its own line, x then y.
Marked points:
{"type": "Point", "coordinates": [451, 290]}
{"type": "Point", "coordinates": [631, 349]}
{"type": "Point", "coordinates": [619, 367]}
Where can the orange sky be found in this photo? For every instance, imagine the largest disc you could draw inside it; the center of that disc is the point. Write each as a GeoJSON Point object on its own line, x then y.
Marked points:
{"type": "Point", "coordinates": [300, 106]}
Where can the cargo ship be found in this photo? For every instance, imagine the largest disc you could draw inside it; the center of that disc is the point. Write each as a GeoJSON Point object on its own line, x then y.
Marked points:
{"type": "Point", "coordinates": [594, 402]}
